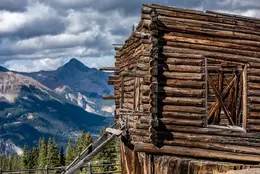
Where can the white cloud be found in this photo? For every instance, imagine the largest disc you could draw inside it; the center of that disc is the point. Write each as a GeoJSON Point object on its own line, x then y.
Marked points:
{"type": "Point", "coordinates": [40, 32]}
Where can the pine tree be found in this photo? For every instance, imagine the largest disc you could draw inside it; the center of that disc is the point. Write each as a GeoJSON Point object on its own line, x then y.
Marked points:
{"type": "Point", "coordinates": [42, 147]}
{"type": "Point", "coordinates": [55, 157]}
{"type": "Point", "coordinates": [80, 143]}
{"type": "Point", "coordinates": [16, 162]}
{"type": "Point", "coordinates": [88, 140]}
{"type": "Point", "coordinates": [25, 158]}
{"type": "Point", "coordinates": [62, 157]}
{"type": "Point", "coordinates": [34, 158]}
{"type": "Point", "coordinates": [52, 153]}
{"type": "Point", "coordinates": [109, 155]}
{"type": "Point", "coordinates": [10, 160]}
{"type": "Point", "coordinates": [70, 152]}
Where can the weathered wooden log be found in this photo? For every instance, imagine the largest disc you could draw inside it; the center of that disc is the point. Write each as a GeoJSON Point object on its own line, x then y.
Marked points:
{"type": "Point", "coordinates": [214, 49]}
{"type": "Point", "coordinates": [244, 44]}
{"type": "Point", "coordinates": [110, 97]}
{"type": "Point", "coordinates": [183, 76]}
{"type": "Point", "coordinates": [140, 132]}
{"type": "Point", "coordinates": [253, 92]}
{"type": "Point", "coordinates": [108, 69]}
{"type": "Point", "coordinates": [220, 88]}
{"type": "Point", "coordinates": [255, 128]}
{"type": "Point", "coordinates": [184, 115]}
{"type": "Point", "coordinates": [254, 72]}
{"type": "Point", "coordinates": [196, 152]}
{"type": "Point", "coordinates": [127, 105]}
{"type": "Point", "coordinates": [141, 35]}
{"type": "Point", "coordinates": [183, 101]}
{"type": "Point", "coordinates": [212, 139]}
{"type": "Point", "coordinates": [253, 78]}
{"type": "Point", "coordinates": [213, 131]}
{"type": "Point", "coordinates": [207, 41]}
{"type": "Point", "coordinates": [202, 16]}
{"type": "Point", "coordinates": [214, 146]}
{"type": "Point", "coordinates": [174, 121]}
{"type": "Point", "coordinates": [253, 121]}
{"type": "Point", "coordinates": [190, 109]}
{"type": "Point", "coordinates": [254, 99]}
{"type": "Point", "coordinates": [146, 10]}
{"type": "Point", "coordinates": [181, 68]}
{"type": "Point", "coordinates": [146, 23]}
{"type": "Point", "coordinates": [133, 73]}
{"type": "Point", "coordinates": [182, 92]}
{"type": "Point", "coordinates": [254, 115]}
{"type": "Point", "coordinates": [212, 32]}
{"type": "Point", "coordinates": [184, 55]}
{"type": "Point", "coordinates": [181, 61]}
{"type": "Point", "coordinates": [212, 54]}
{"type": "Point", "coordinates": [136, 138]}
{"type": "Point", "coordinates": [238, 29]}
{"type": "Point", "coordinates": [182, 83]}
{"type": "Point", "coordinates": [254, 107]}
{"type": "Point", "coordinates": [235, 16]}
{"type": "Point", "coordinates": [145, 16]}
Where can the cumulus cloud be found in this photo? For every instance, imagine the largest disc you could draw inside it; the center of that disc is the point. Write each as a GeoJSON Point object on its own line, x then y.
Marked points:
{"type": "Point", "coordinates": [44, 34]}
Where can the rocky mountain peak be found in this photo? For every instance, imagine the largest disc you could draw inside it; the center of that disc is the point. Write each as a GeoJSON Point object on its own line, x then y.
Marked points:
{"type": "Point", "coordinates": [75, 64]}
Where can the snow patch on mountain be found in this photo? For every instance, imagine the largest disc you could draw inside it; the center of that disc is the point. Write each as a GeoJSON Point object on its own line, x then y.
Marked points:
{"type": "Point", "coordinates": [109, 109]}
{"type": "Point", "coordinates": [7, 147]}
{"type": "Point", "coordinates": [93, 105]}
{"type": "Point", "coordinates": [18, 150]}
{"type": "Point", "coordinates": [90, 109]}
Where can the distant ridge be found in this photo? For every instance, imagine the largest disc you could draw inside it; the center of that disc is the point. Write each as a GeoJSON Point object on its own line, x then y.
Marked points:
{"type": "Point", "coordinates": [3, 69]}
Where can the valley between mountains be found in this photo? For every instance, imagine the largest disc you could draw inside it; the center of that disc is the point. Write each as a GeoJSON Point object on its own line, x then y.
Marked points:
{"type": "Point", "coordinates": [58, 103]}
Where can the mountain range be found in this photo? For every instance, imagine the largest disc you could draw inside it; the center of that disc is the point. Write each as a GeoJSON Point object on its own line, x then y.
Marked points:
{"type": "Point", "coordinates": [57, 103]}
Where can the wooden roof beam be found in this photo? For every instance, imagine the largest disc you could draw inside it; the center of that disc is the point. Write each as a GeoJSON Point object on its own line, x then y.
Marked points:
{"type": "Point", "coordinates": [108, 69]}
{"type": "Point", "coordinates": [110, 97]}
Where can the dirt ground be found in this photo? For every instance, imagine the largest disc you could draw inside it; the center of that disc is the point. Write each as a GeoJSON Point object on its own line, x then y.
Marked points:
{"type": "Point", "coordinates": [244, 171]}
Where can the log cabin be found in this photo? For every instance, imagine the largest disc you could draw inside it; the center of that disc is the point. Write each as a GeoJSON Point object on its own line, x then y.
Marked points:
{"type": "Point", "coordinates": [187, 89]}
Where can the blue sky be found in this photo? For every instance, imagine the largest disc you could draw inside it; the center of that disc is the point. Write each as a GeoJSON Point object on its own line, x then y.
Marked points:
{"type": "Point", "coordinates": [44, 34]}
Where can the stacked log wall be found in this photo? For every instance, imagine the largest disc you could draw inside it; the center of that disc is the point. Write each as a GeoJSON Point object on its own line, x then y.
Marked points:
{"type": "Point", "coordinates": [184, 39]}
{"type": "Point", "coordinates": [133, 67]}
{"type": "Point", "coordinates": [171, 51]}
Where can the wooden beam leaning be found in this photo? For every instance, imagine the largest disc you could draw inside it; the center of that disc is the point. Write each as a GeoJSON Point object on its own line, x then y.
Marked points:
{"type": "Point", "coordinates": [220, 100]}
{"type": "Point", "coordinates": [196, 152]}
{"type": "Point", "coordinates": [223, 95]}
{"type": "Point", "coordinates": [220, 86]}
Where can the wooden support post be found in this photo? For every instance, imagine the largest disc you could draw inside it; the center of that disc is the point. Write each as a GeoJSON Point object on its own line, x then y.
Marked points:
{"type": "Point", "coordinates": [244, 96]}
{"type": "Point", "coordinates": [206, 91]}
{"type": "Point", "coordinates": [233, 109]}
{"type": "Point", "coordinates": [122, 92]}
{"type": "Point", "coordinates": [47, 169]}
{"type": "Point", "coordinates": [89, 168]}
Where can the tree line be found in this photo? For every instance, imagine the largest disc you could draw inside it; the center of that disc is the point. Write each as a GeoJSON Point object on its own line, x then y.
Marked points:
{"type": "Point", "coordinates": [48, 154]}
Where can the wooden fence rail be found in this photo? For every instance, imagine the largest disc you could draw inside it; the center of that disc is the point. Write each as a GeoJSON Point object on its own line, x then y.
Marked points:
{"type": "Point", "coordinates": [48, 170]}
